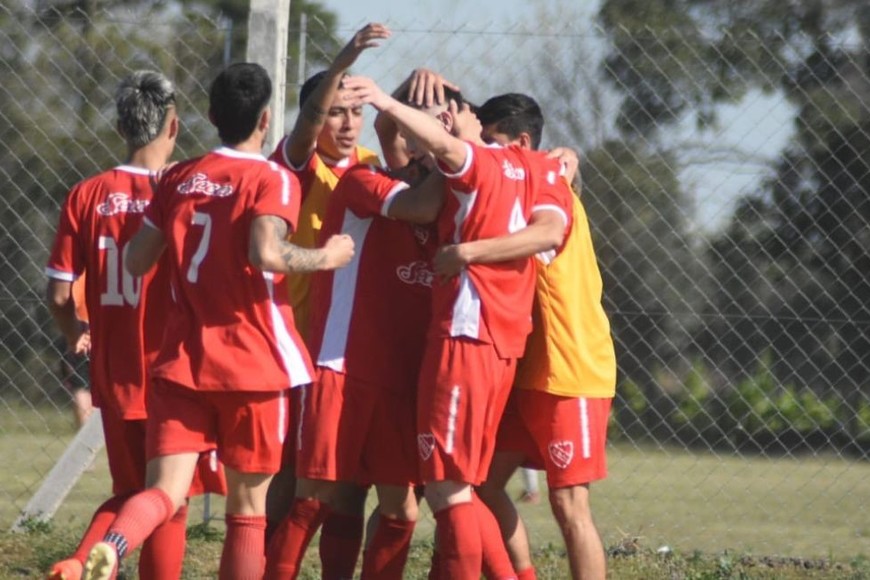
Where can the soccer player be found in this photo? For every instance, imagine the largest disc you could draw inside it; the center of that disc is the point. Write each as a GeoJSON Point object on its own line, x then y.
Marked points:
{"type": "Point", "coordinates": [363, 400]}
{"type": "Point", "coordinates": [480, 319]}
{"type": "Point", "coordinates": [322, 145]}
{"type": "Point", "coordinates": [127, 313]}
{"type": "Point", "coordinates": [557, 415]}
{"type": "Point", "coordinates": [230, 351]}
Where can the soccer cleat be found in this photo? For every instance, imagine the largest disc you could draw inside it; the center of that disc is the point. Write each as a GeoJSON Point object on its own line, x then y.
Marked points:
{"type": "Point", "coordinates": [69, 569]}
{"type": "Point", "coordinates": [102, 563]}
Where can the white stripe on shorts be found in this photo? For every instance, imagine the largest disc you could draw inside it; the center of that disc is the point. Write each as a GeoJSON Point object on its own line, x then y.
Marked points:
{"type": "Point", "coordinates": [584, 428]}
{"type": "Point", "coordinates": [282, 417]}
{"type": "Point", "coordinates": [302, 394]}
{"type": "Point", "coordinates": [451, 420]}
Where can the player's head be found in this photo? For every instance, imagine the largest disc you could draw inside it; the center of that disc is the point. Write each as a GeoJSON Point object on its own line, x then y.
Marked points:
{"type": "Point", "coordinates": [440, 111]}
{"type": "Point", "coordinates": [239, 102]}
{"type": "Point", "coordinates": [512, 118]}
{"type": "Point", "coordinates": [145, 102]}
{"type": "Point", "coordinates": [340, 133]}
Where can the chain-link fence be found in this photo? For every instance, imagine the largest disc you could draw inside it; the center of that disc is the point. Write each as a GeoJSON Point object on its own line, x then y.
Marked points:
{"type": "Point", "coordinates": [726, 173]}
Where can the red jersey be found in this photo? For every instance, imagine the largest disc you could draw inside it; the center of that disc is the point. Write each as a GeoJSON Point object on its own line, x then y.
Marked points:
{"type": "Point", "coordinates": [230, 329]}
{"type": "Point", "coordinates": [369, 319]}
{"type": "Point", "coordinates": [126, 314]}
{"type": "Point", "coordinates": [490, 196]}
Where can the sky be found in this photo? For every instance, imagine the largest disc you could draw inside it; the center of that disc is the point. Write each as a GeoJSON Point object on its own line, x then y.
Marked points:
{"type": "Point", "coordinates": [748, 134]}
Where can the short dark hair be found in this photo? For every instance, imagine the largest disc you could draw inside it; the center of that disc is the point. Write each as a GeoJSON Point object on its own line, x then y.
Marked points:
{"type": "Point", "coordinates": [512, 114]}
{"type": "Point", "coordinates": [237, 97]}
{"type": "Point", "coordinates": [309, 85]}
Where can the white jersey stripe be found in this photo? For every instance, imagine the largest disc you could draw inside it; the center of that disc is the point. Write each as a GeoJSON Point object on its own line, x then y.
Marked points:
{"type": "Point", "coordinates": [60, 275]}
{"type": "Point", "coordinates": [344, 281]}
{"type": "Point", "coordinates": [451, 419]}
{"type": "Point", "coordinates": [282, 417]}
{"type": "Point", "coordinates": [466, 309]}
{"type": "Point", "coordinates": [585, 443]}
{"type": "Point", "coordinates": [294, 362]}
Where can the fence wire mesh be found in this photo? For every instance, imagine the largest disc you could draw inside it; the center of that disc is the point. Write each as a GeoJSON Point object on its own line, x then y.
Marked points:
{"type": "Point", "coordinates": [727, 180]}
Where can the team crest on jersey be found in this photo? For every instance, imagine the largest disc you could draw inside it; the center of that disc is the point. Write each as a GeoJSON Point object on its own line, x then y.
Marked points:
{"type": "Point", "coordinates": [422, 235]}
{"type": "Point", "coordinates": [120, 202]}
{"type": "Point", "coordinates": [513, 172]}
{"type": "Point", "coordinates": [561, 452]}
{"type": "Point", "coordinates": [416, 273]}
{"type": "Point", "coordinates": [200, 184]}
{"type": "Point", "coordinates": [425, 445]}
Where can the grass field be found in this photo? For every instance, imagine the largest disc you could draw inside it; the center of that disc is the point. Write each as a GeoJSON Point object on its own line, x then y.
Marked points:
{"type": "Point", "coordinates": [720, 517]}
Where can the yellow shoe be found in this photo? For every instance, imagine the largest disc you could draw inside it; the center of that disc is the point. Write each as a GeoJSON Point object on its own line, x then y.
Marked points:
{"type": "Point", "coordinates": [102, 563]}
{"type": "Point", "coordinates": [69, 569]}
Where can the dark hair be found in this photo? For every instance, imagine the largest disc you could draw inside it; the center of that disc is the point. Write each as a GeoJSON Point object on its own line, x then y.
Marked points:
{"type": "Point", "coordinates": [142, 100]}
{"type": "Point", "coordinates": [512, 114]}
{"type": "Point", "coordinates": [237, 98]}
{"type": "Point", "coordinates": [309, 85]}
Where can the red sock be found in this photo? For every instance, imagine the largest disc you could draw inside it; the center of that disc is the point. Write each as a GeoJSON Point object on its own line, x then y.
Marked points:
{"type": "Point", "coordinates": [292, 537]}
{"type": "Point", "coordinates": [527, 574]}
{"type": "Point", "coordinates": [163, 552]}
{"type": "Point", "coordinates": [458, 537]}
{"type": "Point", "coordinates": [340, 541]}
{"type": "Point", "coordinates": [138, 518]}
{"type": "Point", "coordinates": [496, 562]}
{"type": "Point", "coordinates": [242, 558]}
{"type": "Point", "coordinates": [385, 557]}
{"type": "Point", "coordinates": [103, 518]}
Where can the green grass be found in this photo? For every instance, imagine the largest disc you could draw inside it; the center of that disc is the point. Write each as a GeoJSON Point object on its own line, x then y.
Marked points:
{"type": "Point", "coordinates": [720, 516]}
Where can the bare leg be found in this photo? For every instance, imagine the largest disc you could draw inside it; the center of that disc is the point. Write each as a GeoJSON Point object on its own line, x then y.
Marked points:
{"type": "Point", "coordinates": [494, 494]}
{"type": "Point", "coordinates": [570, 505]}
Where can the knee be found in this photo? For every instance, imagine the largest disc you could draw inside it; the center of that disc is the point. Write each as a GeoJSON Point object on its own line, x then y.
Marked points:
{"type": "Point", "coordinates": [570, 506]}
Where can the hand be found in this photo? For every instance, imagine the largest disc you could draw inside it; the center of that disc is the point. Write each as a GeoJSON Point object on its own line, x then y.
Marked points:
{"type": "Point", "coordinates": [158, 175]}
{"type": "Point", "coordinates": [426, 88]}
{"type": "Point", "coordinates": [82, 344]}
{"type": "Point", "coordinates": [366, 37]}
{"type": "Point", "coordinates": [466, 125]}
{"type": "Point", "coordinates": [339, 251]}
{"type": "Point", "coordinates": [364, 91]}
{"type": "Point", "coordinates": [449, 261]}
{"type": "Point", "coordinates": [569, 159]}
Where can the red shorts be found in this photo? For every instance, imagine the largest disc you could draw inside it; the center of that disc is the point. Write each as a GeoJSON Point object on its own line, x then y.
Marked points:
{"type": "Point", "coordinates": [565, 436]}
{"type": "Point", "coordinates": [352, 430]}
{"type": "Point", "coordinates": [247, 428]}
{"type": "Point", "coordinates": [463, 388]}
{"type": "Point", "coordinates": [125, 449]}
{"type": "Point", "coordinates": [288, 453]}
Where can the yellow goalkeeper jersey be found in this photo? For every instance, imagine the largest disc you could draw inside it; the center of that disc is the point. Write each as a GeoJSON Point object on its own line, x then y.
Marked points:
{"type": "Point", "coordinates": [570, 350]}
{"type": "Point", "coordinates": [318, 180]}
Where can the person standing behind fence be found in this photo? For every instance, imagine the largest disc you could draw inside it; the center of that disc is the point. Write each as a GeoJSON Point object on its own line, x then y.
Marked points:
{"type": "Point", "coordinates": [126, 313]}
{"type": "Point", "coordinates": [230, 351]}
{"type": "Point", "coordinates": [557, 416]}
{"type": "Point", "coordinates": [320, 148]}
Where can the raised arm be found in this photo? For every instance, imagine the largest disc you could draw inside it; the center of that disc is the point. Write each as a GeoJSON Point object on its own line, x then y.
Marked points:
{"type": "Point", "coordinates": [269, 250]}
{"type": "Point", "coordinates": [545, 232]}
{"type": "Point", "coordinates": [421, 203]}
{"type": "Point", "coordinates": [422, 88]}
{"type": "Point", "coordinates": [428, 132]}
{"type": "Point", "coordinates": [303, 138]}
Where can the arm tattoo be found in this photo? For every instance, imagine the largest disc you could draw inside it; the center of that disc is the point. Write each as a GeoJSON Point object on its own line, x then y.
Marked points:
{"type": "Point", "coordinates": [302, 259]}
{"type": "Point", "coordinates": [314, 113]}
{"type": "Point", "coordinates": [297, 259]}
